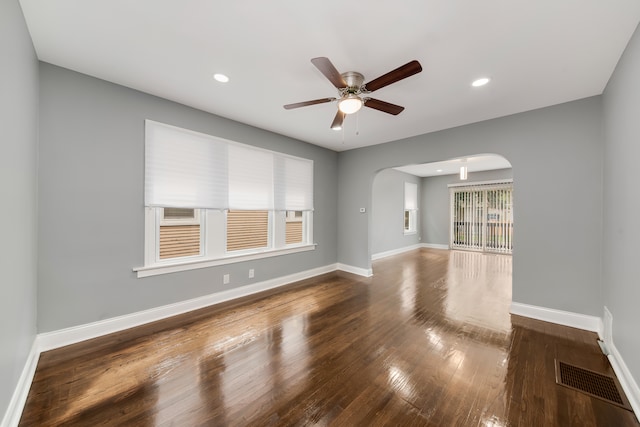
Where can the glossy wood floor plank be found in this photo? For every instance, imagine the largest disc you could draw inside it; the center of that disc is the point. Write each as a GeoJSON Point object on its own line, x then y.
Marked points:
{"type": "Point", "coordinates": [427, 341]}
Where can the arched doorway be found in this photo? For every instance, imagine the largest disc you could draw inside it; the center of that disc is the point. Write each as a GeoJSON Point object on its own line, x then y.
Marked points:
{"type": "Point", "coordinates": [478, 285]}
{"type": "Point", "coordinates": [434, 217]}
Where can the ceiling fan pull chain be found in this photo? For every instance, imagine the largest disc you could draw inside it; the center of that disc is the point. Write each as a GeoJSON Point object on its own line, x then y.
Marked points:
{"type": "Point", "coordinates": [357, 123]}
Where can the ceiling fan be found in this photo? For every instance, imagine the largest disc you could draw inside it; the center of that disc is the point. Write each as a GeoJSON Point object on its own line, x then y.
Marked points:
{"type": "Point", "coordinates": [352, 90]}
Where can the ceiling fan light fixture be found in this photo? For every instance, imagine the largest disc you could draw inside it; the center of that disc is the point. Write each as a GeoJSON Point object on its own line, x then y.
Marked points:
{"type": "Point", "coordinates": [350, 104]}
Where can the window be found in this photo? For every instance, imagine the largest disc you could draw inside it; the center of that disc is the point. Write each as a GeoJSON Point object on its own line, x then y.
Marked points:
{"type": "Point", "coordinates": [410, 207]}
{"type": "Point", "coordinates": [247, 230]}
{"type": "Point", "coordinates": [180, 233]}
{"type": "Point", "coordinates": [179, 216]}
{"type": "Point", "coordinates": [482, 217]}
{"type": "Point", "coordinates": [214, 201]}
{"type": "Point", "coordinates": [294, 227]}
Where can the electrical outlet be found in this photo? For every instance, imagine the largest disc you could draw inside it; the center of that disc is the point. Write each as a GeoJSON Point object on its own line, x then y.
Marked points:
{"type": "Point", "coordinates": [225, 279]}
{"type": "Point", "coordinates": [251, 273]}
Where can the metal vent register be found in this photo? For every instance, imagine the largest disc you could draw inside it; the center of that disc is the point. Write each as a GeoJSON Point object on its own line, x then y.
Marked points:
{"type": "Point", "coordinates": [592, 383]}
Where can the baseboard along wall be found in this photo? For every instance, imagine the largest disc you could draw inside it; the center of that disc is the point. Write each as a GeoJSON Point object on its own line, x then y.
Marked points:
{"type": "Point", "coordinates": [51, 340]}
{"type": "Point", "coordinates": [594, 324]}
{"type": "Point", "coordinates": [435, 246]}
{"type": "Point", "coordinates": [72, 335]}
{"type": "Point", "coordinates": [355, 270]}
{"type": "Point", "coordinates": [404, 249]}
{"type": "Point", "coordinates": [393, 252]}
{"type": "Point", "coordinates": [566, 318]}
{"type": "Point", "coordinates": [18, 399]}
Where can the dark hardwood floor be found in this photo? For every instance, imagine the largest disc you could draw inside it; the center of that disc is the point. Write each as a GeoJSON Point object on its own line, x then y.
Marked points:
{"type": "Point", "coordinates": [427, 341]}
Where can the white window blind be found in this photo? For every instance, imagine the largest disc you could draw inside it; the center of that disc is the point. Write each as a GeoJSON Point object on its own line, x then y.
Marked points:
{"type": "Point", "coordinates": [250, 178]}
{"type": "Point", "coordinates": [410, 196]}
{"type": "Point", "coordinates": [183, 169]}
{"type": "Point", "coordinates": [247, 230]}
{"type": "Point", "coordinates": [192, 170]}
{"type": "Point", "coordinates": [293, 184]}
{"type": "Point", "coordinates": [482, 217]}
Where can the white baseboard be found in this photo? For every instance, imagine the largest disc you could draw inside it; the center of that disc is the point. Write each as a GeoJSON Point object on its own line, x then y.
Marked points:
{"type": "Point", "coordinates": [566, 318]}
{"type": "Point", "coordinates": [594, 324]}
{"type": "Point", "coordinates": [398, 251]}
{"type": "Point", "coordinates": [55, 339]}
{"type": "Point", "coordinates": [75, 334]}
{"type": "Point", "coordinates": [435, 246]}
{"type": "Point", "coordinates": [16, 404]}
{"type": "Point", "coordinates": [607, 327]}
{"type": "Point", "coordinates": [392, 252]}
{"type": "Point", "coordinates": [628, 383]}
{"type": "Point", "coordinates": [355, 270]}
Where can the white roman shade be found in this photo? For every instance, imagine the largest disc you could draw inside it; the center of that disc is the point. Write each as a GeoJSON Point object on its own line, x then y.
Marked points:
{"type": "Point", "coordinates": [410, 196]}
{"type": "Point", "coordinates": [293, 184]}
{"type": "Point", "coordinates": [192, 170]}
{"type": "Point", "coordinates": [250, 178]}
{"type": "Point", "coordinates": [183, 169]}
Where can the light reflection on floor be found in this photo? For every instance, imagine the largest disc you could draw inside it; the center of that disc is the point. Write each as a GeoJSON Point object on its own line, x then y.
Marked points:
{"type": "Point", "coordinates": [427, 340]}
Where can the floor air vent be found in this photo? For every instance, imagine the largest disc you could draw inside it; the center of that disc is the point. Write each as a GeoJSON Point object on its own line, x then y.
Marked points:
{"type": "Point", "coordinates": [592, 383]}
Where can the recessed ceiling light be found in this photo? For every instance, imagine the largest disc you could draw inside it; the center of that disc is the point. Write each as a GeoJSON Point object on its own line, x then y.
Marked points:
{"type": "Point", "coordinates": [439, 170]}
{"type": "Point", "coordinates": [480, 82]}
{"type": "Point", "coordinates": [221, 78]}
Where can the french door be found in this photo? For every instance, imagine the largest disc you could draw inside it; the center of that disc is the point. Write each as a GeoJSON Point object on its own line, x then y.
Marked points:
{"type": "Point", "coordinates": [482, 218]}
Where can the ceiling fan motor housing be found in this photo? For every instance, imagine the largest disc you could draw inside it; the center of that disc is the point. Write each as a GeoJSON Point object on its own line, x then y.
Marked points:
{"type": "Point", "coordinates": [354, 82]}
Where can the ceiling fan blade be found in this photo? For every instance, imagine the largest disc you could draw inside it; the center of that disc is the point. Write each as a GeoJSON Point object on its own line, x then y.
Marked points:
{"type": "Point", "coordinates": [337, 120]}
{"type": "Point", "coordinates": [383, 106]}
{"type": "Point", "coordinates": [326, 67]}
{"type": "Point", "coordinates": [306, 103]}
{"type": "Point", "coordinates": [408, 69]}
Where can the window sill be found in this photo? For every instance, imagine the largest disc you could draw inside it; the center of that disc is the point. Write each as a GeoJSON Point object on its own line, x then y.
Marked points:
{"type": "Point", "coordinates": [408, 233]}
{"type": "Point", "coordinates": [173, 267]}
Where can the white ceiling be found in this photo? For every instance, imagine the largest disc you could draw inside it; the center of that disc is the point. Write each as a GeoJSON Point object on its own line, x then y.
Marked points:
{"type": "Point", "coordinates": [450, 167]}
{"type": "Point", "coordinates": [537, 53]}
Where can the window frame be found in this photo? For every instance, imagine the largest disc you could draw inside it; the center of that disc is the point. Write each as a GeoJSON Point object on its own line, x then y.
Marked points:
{"type": "Point", "coordinates": [410, 199]}
{"type": "Point", "coordinates": [294, 218]}
{"type": "Point", "coordinates": [172, 184]}
{"type": "Point", "coordinates": [180, 221]}
{"type": "Point", "coordinates": [213, 243]}
{"type": "Point", "coordinates": [271, 232]}
{"type": "Point", "coordinates": [413, 229]}
{"type": "Point", "coordinates": [161, 221]}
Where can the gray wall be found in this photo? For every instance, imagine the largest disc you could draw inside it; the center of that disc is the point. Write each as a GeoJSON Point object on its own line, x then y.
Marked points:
{"type": "Point", "coordinates": [91, 217]}
{"type": "Point", "coordinates": [387, 213]}
{"type": "Point", "coordinates": [555, 152]}
{"type": "Point", "coordinates": [621, 235]}
{"type": "Point", "coordinates": [18, 193]}
{"type": "Point", "coordinates": [436, 204]}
